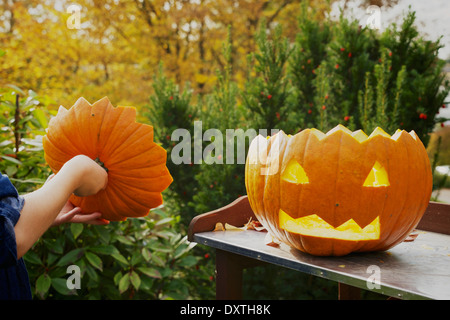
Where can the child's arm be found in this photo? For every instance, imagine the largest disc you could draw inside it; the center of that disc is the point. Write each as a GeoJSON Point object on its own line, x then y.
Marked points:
{"type": "Point", "coordinates": [80, 175]}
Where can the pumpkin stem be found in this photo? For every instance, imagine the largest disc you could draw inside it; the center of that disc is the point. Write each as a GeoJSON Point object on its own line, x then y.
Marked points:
{"type": "Point", "coordinates": [101, 164]}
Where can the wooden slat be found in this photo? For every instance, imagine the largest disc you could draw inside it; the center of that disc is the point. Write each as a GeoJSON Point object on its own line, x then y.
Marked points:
{"type": "Point", "coordinates": [436, 218]}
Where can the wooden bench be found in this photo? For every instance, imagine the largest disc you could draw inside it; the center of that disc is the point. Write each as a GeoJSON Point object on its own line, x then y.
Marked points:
{"type": "Point", "coordinates": [418, 269]}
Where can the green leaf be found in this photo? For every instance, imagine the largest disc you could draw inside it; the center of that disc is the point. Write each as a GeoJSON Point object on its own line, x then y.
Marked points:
{"type": "Point", "coordinates": [43, 284]}
{"type": "Point", "coordinates": [41, 117]}
{"type": "Point", "coordinates": [188, 261]}
{"type": "Point", "coordinates": [16, 88]}
{"type": "Point", "coordinates": [150, 272]}
{"type": "Point", "coordinates": [135, 280]}
{"type": "Point", "coordinates": [76, 229]}
{"type": "Point", "coordinates": [92, 273]}
{"type": "Point", "coordinates": [60, 285]}
{"type": "Point", "coordinates": [11, 170]}
{"type": "Point", "coordinates": [70, 257]}
{"type": "Point", "coordinates": [11, 159]}
{"type": "Point", "coordinates": [32, 257]}
{"type": "Point", "coordinates": [94, 260]}
{"type": "Point", "coordinates": [124, 283]}
{"type": "Point", "coordinates": [164, 221]}
{"type": "Point", "coordinates": [119, 258]}
{"type": "Point", "coordinates": [146, 254]}
{"type": "Point", "coordinates": [108, 249]}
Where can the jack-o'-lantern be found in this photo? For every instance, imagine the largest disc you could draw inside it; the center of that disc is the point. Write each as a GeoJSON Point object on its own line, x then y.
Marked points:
{"type": "Point", "coordinates": [339, 192]}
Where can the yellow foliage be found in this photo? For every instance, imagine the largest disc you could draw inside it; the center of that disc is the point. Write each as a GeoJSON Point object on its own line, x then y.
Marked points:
{"type": "Point", "coordinates": [119, 45]}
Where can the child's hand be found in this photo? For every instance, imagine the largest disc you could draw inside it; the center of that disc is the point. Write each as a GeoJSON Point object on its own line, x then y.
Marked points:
{"type": "Point", "coordinates": [72, 214]}
{"type": "Point", "coordinates": [90, 177]}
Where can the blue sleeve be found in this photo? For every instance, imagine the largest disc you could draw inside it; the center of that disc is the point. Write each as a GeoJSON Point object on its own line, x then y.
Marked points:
{"type": "Point", "coordinates": [10, 206]}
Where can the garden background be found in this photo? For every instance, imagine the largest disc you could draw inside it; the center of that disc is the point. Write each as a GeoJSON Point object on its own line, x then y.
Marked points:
{"type": "Point", "coordinates": [231, 64]}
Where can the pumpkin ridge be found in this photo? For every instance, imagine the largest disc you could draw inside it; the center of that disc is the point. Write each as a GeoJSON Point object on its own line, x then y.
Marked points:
{"type": "Point", "coordinates": [114, 165]}
{"type": "Point", "coordinates": [103, 111]}
{"type": "Point", "coordinates": [126, 136]}
{"type": "Point", "coordinates": [399, 213]}
{"type": "Point", "coordinates": [104, 133]}
{"type": "Point", "coordinates": [302, 240]}
{"type": "Point", "coordinates": [82, 126]}
{"type": "Point", "coordinates": [160, 177]}
{"type": "Point", "coordinates": [123, 135]}
{"type": "Point", "coordinates": [131, 203]}
{"type": "Point", "coordinates": [120, 152]}
{"type": "Point", "coordinates": [66, 144]}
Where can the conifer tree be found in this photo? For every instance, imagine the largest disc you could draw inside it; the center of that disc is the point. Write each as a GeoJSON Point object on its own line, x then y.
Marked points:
{"type": "Point", "coordinates": [220, 178]}
{"type": "Point", "coordinates": [266, 90]}
{"type": "Point", "coordinates": [170, 110]}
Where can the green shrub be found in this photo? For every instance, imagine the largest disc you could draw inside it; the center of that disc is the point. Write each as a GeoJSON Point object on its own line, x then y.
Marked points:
{"type": "Point", "coordinates": [142, 258]}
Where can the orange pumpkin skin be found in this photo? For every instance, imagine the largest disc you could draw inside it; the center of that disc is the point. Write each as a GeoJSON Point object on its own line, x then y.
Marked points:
{"type": "Point", "coordinates": [334, 171]}
{"type": "Point", "coordinates": [136, 165]}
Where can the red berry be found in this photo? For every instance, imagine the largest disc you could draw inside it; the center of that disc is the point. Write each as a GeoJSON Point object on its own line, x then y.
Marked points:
{"type": "Point", "coordinates": [309, 111]}
{"type": "Point", "coordinates": [336, 66]}
{"type": "Point", "coordinates": [349, 54]}
{"type": "Point", "coordinates": [346, 118]}
{"type": "Point", "coordinates": [269, 96]}
{"type": "Point", "coordinates": [342, 49]}
{"type": "Point", "coordinates": [324, 107]}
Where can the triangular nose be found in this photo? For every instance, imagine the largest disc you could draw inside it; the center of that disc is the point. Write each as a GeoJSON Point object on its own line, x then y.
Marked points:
{"type": "Point", "coordinates": [377, 177]}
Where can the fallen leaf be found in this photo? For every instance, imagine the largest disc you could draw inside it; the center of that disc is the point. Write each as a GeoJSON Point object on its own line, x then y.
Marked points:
{"type": "Point", "coordinates": [219, 227]}
{"type": "Point", "coordinates": [271, 241]}
{"type": "Point", "coordinates": [250, 225]}
{"type": "Point", "coordinates": [229, 227]}
{"type": "Point", "coordinates": [411, 237]}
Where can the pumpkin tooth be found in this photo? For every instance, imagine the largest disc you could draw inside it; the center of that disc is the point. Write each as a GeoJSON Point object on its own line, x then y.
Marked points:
{"type": "Point", "coordinates": [319, 134]}
{"type": "Point", "coordinates": [397, 134]}
{"type": "Point", "coordinates": [339, 127]}
{"type": "Point", "coordinates": [413, 134]}
{"type": "Point", "coordinates": [359, 136]}
{"type": "Point", "coordinates": [313, 225]}
{"type": "Point", "coordinates": [379, 132]}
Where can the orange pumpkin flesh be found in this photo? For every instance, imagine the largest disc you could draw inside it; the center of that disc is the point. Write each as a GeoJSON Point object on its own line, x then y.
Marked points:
{"type": "Point", "coordinates": [339, 192]}
{"type": "Point", "coordinates": [136, 166]}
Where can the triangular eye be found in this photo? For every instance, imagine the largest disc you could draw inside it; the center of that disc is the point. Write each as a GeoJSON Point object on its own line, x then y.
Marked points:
{"type": "Point", "coordinates": [294, 173]}
{"type": "Point", "coordinates": [377, 177]}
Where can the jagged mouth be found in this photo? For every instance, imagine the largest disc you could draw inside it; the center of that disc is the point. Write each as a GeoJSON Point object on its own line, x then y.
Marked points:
{"type": "Point", "coordinates": [315, 226]}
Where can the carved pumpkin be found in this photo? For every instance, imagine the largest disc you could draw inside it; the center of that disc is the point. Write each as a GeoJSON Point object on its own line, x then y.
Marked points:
{"type": "Point", "coordinates": [339, 192]}
{"type": "Point", "coordinates": [136, 166]}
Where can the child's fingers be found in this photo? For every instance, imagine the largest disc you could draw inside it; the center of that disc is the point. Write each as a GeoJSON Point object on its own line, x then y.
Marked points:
{"type": "Point", "coordinates": [90, 218]}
